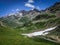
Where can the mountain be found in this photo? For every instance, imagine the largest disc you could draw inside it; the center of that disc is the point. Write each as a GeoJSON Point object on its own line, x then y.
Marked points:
{"type": "Point", "coordinates": [22, 17]}
{"type": "Point", "coordinates": [54, 8]}
{"type": "Point", "coordinates": [17, 19]}
{"type": "Point", "coordinates": [23, 12]}
{"type": "Point", "coordinates": [13, 25]}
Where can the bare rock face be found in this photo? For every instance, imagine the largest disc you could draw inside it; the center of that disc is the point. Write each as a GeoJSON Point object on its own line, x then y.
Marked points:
{"type": "Point", "coordinates": [54, 8]}
{"type": "Point", "coordinates": [58, 14]}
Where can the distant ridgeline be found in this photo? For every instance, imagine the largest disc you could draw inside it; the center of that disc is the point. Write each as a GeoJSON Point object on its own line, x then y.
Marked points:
{"type": "Point", "coordinates": [24, 17]}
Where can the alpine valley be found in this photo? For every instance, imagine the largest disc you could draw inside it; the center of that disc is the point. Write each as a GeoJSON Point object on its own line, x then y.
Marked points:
{"type": "Point", "coordinates": [33, 27]}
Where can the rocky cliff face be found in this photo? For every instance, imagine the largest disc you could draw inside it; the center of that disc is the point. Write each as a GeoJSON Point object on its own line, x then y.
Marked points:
{"type": "Point", "coordinates": [54, 8]}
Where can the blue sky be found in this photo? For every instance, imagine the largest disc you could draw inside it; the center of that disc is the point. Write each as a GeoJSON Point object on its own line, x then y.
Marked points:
{"type": "Point", "coordinates": [9, 6]}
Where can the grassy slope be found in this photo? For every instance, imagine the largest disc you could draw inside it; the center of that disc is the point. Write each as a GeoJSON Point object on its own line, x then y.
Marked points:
{"type": "Point", "coordinates": [9, 36]}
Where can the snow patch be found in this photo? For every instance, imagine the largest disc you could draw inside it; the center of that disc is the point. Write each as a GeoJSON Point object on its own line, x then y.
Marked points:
{"type": "Point", "coordinates": [44, 32]}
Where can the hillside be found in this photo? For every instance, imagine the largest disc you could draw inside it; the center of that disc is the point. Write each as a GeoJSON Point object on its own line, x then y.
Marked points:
{"type": "Point", "coordinates": [14, 25]}
{"type": "Point", "coordinates": [9, 36]}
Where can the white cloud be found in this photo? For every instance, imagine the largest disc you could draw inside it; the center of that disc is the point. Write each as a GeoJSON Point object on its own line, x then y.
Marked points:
{"type": "Point", "coordinates": [12, 10]}
{"type": "Point", "coordinates": [29, 5]}
{"type": "Point", "coordinates": [30, 1]}
{"type": "Point", "coordinates": [38, 7]}
{"type": "Point", "coordinates": [17, 9]}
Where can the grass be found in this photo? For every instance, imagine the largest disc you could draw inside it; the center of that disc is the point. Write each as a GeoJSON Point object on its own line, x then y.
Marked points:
{"type": "Point", "coordinates": [9, 36]}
